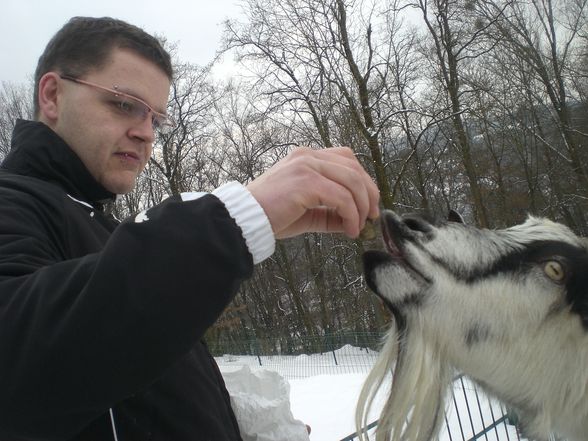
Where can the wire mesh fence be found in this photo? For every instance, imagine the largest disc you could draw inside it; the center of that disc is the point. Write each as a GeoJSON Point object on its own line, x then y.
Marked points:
{"type": "Point", "coordinates": [470, 415]}
{"type": "Point", "coordinates": [293, 358]}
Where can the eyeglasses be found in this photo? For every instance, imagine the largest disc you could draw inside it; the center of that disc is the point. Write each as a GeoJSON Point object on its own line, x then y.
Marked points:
{"type": "Point", "coordinates": [131, 106]}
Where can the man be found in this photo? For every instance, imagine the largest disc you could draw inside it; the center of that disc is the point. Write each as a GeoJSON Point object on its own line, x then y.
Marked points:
{"type": "Point", "coordinates": [101, 324]}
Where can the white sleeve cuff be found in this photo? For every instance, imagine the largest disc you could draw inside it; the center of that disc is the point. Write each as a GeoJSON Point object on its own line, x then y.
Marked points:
{"type": "Point", "coordinates": [249, 215]}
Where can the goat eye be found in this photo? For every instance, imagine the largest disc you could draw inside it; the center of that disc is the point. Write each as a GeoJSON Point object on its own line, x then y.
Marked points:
{"type": "Point", "coordinates": [554, 270]}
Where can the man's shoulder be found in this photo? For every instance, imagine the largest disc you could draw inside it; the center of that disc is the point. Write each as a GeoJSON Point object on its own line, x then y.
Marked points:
{"type": "Point", "coordinates": [22, 190]}
{"type": "Point", "coordinates": [10, 181]}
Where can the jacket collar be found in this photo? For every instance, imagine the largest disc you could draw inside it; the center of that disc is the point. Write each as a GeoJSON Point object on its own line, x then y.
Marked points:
{"type": "Point", "coordinates": [38, 151]}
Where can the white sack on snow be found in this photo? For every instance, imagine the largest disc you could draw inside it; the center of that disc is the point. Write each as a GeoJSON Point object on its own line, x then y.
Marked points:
{"type": "Point", "coordinates": [261, 402]}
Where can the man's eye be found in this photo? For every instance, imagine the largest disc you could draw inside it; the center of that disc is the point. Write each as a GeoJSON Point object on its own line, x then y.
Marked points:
{"type": "Point", "coordinates": [125, 106]}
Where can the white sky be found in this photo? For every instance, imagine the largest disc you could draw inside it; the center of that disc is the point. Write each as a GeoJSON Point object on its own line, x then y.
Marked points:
{"type": "Point", "coordinates": [27, 25]}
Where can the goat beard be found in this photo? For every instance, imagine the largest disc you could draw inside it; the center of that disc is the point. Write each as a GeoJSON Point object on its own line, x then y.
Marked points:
{"type": "Point", "coordinates": [415, 407]}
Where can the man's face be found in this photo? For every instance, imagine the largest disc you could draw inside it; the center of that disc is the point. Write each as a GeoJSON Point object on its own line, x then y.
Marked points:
{"type": "Point", "coordinates": [113, 146]}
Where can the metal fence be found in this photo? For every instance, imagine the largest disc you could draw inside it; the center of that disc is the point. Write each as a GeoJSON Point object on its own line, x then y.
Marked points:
{"type": "Point", "coordinates": [302, 357]}
{"type": "Point", "coordinates": [471, 415]}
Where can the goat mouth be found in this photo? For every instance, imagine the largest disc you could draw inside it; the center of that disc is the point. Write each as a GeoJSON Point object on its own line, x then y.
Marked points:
{"type": "Point", "coordinates": [396, 234]}
{"type": "Point", "coordinates": [392, 232]}
{"type": "Point", "coordinates": [396, 237]}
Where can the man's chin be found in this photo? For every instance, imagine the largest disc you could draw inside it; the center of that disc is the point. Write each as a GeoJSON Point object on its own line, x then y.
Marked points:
{"type": "Point", "coordinates": [120, 186]}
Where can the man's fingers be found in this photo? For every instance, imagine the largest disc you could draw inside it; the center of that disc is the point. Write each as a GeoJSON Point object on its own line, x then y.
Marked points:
{"type": "Point", "coordinates": [335, 179]}
{"type": "Point", "coordinates": [317, 190]}
{"type": "Point", "coordinates": [317, 220]}
{"type": "Point", "coordinates": [346, 157]}
{"type": "Point", "coordinates": [345, 191]}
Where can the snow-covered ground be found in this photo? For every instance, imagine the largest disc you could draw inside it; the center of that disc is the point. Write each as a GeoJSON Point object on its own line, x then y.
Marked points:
{"type": "Point", "coordinates": [324, 390]}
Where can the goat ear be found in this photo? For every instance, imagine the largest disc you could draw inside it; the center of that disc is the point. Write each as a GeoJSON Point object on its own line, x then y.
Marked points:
{"type": "Point", "coordinates": [454, 216]}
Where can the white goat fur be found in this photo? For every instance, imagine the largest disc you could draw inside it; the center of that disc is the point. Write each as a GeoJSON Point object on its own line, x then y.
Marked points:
{"type": "Point", "coordinates": [512, 330]}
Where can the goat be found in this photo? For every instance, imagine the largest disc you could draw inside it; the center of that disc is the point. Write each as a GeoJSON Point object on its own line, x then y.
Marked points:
{"type": "Point", "coordinates": [508, 308]}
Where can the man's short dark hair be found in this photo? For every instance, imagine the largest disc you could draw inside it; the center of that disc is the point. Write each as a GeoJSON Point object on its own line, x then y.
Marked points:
{"type": "Point", "coordinates": [85, 43]}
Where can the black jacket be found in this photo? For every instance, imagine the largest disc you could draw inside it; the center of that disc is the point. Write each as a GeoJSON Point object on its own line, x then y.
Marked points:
{"type": "Point", "coordinates": [95, 315]}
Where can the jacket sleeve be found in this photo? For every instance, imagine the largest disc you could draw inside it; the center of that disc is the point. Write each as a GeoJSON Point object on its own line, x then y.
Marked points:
{"type": "Point", "coordinates": [78, 335]}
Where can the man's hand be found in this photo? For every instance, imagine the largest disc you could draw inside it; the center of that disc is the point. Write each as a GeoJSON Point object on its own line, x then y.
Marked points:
{"type": "Point", "coordinates": [317, 191]}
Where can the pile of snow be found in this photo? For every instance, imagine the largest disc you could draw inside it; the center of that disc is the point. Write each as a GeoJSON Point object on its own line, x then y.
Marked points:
{"type": "Point", "coordinates": [261, 401]}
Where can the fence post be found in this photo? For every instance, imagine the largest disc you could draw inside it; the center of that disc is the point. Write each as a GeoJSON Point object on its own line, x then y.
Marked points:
{"type": "Point", "coordinates": [332, 347]}
{"type": "Point", "coordinates": [256, 349]}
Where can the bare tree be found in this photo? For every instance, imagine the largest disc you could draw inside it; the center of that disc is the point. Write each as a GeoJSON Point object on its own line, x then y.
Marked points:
{"type": "Point", "coordinates": [545, 35]}
{"type": "Point", "coordinates": [250, 137]}
{"type": "Point", "coordinates": [321, 63]}
{"type": "Point", "coordinates": [16, 102]}
{"type": "Point", "coordinates": [180, 156]}
{"type": "Point", "coordinates": [456, 41]}
{"type": "Point", "coordinates": [275, 45]}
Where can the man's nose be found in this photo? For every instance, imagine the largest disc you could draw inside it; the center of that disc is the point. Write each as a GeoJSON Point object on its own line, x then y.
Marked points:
{"type": "Point", "coordinates": [142, 129]}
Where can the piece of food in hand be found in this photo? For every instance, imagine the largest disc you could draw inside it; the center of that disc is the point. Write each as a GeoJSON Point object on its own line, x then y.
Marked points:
{"type": "Point", "coordinates": [368, 232]}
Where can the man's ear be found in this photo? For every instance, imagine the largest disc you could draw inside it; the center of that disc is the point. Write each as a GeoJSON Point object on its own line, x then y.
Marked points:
{"type": "Point", "coordinates": [49, 90]}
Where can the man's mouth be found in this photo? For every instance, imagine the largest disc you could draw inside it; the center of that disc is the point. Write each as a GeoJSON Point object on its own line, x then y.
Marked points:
{"type": "Point", "coordinates": [128, 156]}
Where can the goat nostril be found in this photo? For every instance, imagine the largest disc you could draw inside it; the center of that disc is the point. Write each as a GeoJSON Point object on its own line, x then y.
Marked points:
{"type": "Point", "coordinates": [417, 224]}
